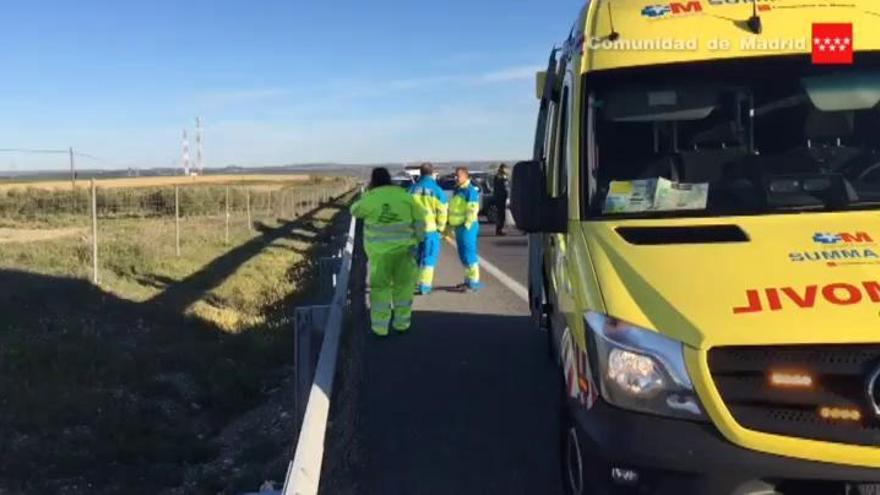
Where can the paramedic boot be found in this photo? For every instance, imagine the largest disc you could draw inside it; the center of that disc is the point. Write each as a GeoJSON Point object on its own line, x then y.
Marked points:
{"type": "Point", "coordinates": [472, 278]}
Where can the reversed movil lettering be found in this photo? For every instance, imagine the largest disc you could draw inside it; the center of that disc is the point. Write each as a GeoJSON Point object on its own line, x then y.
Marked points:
{"type": "Point", "coordinates": [829, 239]}
{"type": "Point", "coordinates": [808, 297]}
{"type": "Point", "coordinates": [659, 11]}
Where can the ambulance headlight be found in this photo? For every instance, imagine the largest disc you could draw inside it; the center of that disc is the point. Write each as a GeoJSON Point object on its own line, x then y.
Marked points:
{"type": "Point", "coordinates": [641, 370]}
{"type": "Point", "coordinates": [634, 373]}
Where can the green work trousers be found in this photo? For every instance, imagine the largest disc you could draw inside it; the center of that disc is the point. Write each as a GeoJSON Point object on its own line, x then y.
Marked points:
{"type": "Point", "coordinates": [393, 277]}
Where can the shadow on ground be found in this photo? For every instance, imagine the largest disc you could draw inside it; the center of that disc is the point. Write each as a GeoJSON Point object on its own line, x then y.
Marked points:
{"type": "Point", "coordinates": [464, 404]}
{"type": "Point", "coordinates": [504, 242]}
{"type": "Point", "coordinates": [103, 395]}
{"type": "Point", "coordinates": [177, 297]}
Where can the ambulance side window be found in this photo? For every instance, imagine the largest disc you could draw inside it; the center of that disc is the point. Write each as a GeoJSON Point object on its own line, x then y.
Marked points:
{"type": "Point", "coordinates": [561, 152]}
{"type": "Point", "coordinates": [550, 147]}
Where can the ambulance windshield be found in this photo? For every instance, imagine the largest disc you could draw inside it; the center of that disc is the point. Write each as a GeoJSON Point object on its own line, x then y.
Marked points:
{"type": "Point", "coordinates": [734, 138]}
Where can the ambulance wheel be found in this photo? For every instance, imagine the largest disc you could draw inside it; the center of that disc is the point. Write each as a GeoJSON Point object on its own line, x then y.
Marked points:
{"type": "Point", "coordinates": [571, 451]}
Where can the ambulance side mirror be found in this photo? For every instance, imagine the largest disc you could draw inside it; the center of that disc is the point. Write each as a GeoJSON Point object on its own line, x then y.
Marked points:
{"type": "Point", "coordinates": [540, 82]}
{"type": "Point", "coordinates": [532, 207]}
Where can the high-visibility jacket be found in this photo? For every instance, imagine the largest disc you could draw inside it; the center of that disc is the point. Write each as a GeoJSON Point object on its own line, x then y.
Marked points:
{"type": "Point", "coordinates": [464, 209]}
{"type": "Point", "coordinates": [392, 219]}
{"type": "Point", "coordinates": [431, 198]}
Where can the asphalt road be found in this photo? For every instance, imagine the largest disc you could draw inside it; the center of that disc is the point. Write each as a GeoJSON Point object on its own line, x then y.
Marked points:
{"type": "Point", "coordinates": [467, 402]}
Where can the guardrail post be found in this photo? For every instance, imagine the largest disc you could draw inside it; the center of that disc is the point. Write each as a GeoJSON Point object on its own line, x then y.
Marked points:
{"type": "Point", "coordinates": [328, 267]}
{"type": "Point", "coordinates": [309, 322]}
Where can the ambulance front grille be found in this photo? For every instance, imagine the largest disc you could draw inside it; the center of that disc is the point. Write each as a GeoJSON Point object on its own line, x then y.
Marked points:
{"type": "Point", "coordinates": [840, 376]}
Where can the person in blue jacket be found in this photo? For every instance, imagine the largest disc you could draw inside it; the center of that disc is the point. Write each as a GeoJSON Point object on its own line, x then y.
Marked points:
{"type": "Point", "coordinates": [464, 210]}
{"type": "Point", "coordinates": [431, 198]}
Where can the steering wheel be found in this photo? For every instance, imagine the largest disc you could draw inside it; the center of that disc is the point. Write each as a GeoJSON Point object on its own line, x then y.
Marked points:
{"type": "Point", "coordinates": [868, 171]}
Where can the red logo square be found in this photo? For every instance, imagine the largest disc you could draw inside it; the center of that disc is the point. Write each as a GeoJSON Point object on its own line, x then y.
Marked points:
{"type": "Point", "coordinates": [833, 44]}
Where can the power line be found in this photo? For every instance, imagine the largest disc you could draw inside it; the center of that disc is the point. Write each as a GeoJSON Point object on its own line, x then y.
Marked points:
{"type": "Point", "coordinates": [46, 151]}
{"type": "Point", "coordinates": [95, 158]}
{"type": "Point", "coordinates": [32, 151]}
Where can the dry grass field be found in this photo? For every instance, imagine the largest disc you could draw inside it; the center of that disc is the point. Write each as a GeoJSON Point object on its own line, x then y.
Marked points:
{"type": "Point", "coordinates": [132, 182]}
{"type": "Point", "coordinates": [173, 376]}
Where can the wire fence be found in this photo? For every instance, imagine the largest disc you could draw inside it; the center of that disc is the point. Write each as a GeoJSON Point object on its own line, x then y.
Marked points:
{"type": "Point", "coordinates": [226, 212]}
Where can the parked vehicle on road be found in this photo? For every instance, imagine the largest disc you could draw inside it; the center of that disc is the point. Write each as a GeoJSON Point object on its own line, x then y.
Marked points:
{"type": "Point", "coordinates": [402, 180]}
{"type": "Point", "coordinates": [705, 247]}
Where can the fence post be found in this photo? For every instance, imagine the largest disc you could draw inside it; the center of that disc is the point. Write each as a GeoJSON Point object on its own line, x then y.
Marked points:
{"type": "Point", "coordinates": [293, 208]}
{"type": "Point", "coordinates": [177, 219]}
{"type": "Point", "coordinates": [227, 214]}
{"type": "Point", "coordinates": [247, 193]}
{"type": "Point", "coordinates": [94, 233]}
{"type": "Point", "coordinates": [72, 181]}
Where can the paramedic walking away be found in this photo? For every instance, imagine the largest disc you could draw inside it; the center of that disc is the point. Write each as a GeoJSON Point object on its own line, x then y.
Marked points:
{"type": "Point", "coordinates": [433, 201]}
{"type": "Point", "coordinates": [393, 227]}
{"type": "Point", "coordinates": [463, 219]}
{"type": "Point", "coordinates": [500, 193]}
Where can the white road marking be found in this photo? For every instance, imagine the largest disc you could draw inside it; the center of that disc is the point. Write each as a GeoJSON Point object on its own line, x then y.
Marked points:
{"type": "Point", "coordinates": [505, 279]}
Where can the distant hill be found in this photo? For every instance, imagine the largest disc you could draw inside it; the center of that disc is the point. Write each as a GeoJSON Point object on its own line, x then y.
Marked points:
{"type": "Point", "coordinates": [311, 168]}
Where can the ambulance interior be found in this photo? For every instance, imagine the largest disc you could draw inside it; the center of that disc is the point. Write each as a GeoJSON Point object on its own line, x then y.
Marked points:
{"type": "Point", "coordinates": [765, 136]}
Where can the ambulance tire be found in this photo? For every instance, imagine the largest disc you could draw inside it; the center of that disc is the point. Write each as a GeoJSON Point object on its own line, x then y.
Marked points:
{"type": "Point", "coordinates": [571, 461]}
{"type": "Point", "coordinates": [580, 471]}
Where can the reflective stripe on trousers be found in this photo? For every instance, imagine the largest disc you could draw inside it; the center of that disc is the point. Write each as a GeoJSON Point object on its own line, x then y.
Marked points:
{"type": "Point", "coordinates": [380, 315]}
{"type": "Point", "coordinates": [429, 252]}
{"type": "Point", "coordinates": [472, 273]}
{"type": "Point", "coordinates": [426, 276]}
{"type": "Point", "coordinates": [466, 241]}
{"type": "Point", "coordinates": [393, 278]}
{"type": "Point", "coordinates": [402, 314]}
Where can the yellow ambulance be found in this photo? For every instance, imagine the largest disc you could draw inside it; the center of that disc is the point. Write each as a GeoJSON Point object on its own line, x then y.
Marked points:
{"type": "Point", "coordinates": [703, 206]}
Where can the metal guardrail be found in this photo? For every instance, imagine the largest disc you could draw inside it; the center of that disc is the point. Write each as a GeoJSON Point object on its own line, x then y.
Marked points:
{"type": "Point", "coordinates": [304, 472]}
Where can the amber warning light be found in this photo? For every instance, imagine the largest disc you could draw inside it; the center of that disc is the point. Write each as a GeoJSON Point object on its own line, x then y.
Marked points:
{"type": "Point", "coordinates": [840, 413]}
{"type": "Point", "coordinates": [787, 379]}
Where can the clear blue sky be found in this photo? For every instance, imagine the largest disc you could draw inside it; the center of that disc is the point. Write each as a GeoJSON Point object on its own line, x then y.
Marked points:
{"type": "Point", "coordinates": [275, 81]}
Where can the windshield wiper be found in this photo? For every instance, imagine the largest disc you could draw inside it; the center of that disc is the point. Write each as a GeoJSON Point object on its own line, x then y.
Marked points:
{"type": "Point", "coordinates": [867, 204]}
